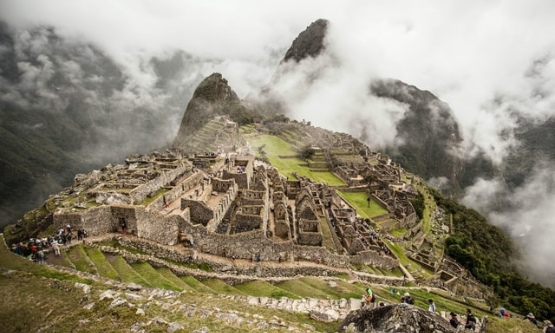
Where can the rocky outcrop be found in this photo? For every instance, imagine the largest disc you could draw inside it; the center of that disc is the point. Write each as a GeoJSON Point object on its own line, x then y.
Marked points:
{"type": "Point", "coordinates": [398, 318]}
{"type": "Point", "coordinates": [309, 43]}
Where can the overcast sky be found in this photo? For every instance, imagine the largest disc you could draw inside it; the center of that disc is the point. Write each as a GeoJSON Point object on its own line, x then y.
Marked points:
{"type": "Point", "coordinates": [487, 59]}
{"type": "Point", "coordinates": [476, 56]}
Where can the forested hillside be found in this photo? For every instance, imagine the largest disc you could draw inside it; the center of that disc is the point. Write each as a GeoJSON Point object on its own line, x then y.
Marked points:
{"type": "Point", "coordinates": [484, 250]}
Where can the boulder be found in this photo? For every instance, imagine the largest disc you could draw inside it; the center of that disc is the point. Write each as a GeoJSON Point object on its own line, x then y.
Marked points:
{"type": "Point", "coordinates": [397, 318]}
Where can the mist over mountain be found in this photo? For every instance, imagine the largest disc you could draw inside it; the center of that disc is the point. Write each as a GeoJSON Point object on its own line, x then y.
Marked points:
{"type": "Point", "coordinates": [66, 107]}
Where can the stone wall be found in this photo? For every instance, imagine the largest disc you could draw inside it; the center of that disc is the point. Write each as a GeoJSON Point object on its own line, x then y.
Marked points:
{"type": "Point", "coordinates": [375, 259]}
{"type": "Point", "coordinates": [247, 244]}
{"type": "Point", "coordinates": [293, 189]}
{"type": "Point", "coordinates": [380, 202]}
{"type": "Point", "coordinates": [177, 191]}
{"type": "Point", "coordinates": [250, 218]}
{"type": "Point", "coordinates": [139, 193]}
{"type": "Point", "coordinates": [130, 214]}
{"type": "Point", "coordinates": [221, 185]}
{"type": "Point", "coordinates": [200, 212]}
{"type": "Point", "coordinates": [282, 229]}
{"type": "Point", "coordinates": [241, 179]}
{"type": "Point", "coordinates": [158, 228]}
{"type": "Point", "coordinates": [223, 205]}
{"type": "Point", "coordinates": [96, 221]}
{"type": "Point", "coordinates": [310, 238]}
{"type": "Point", "coordinates": [409, 220]}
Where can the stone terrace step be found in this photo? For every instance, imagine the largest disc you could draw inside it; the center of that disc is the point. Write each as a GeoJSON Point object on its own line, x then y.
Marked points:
{"type": "Point", "coordinates": [80, 260]}
{"type": "Point", "coordinates": [168, 274]}
{"type": "Point", "coordinates": [197, 285]}
{"type": "Point", "coordinates": [126, 272]}
{"type": "Point", "coordinates": [103, 267]}
{"type": "Point", "coordinates": [155, 279]}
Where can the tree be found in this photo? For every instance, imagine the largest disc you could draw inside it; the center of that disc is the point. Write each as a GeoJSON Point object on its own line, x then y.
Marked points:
{"type": "Point", "coordinates": [306, 152]}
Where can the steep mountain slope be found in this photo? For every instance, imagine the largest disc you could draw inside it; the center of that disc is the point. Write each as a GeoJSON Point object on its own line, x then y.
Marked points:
{"type": "Point", "coordinates": [212, 97]}
{"type": "Point", "coordinates": [537, 145]}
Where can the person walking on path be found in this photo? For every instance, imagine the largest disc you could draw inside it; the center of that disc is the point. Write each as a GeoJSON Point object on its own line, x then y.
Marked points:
{"type": "Point", "coordinates": [56, 248]}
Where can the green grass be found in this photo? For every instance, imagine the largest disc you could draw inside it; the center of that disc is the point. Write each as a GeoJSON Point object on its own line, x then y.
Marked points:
{"type": "Point", "coordinates": [168, 275]}
{"type": "Point", "coordinates": [276, 146]}
{"type": "Point", "coordinates": [316, 288]}
{"type": "Point", "coordinates": [421, 298]}
{"type": "Point", "coordinates": [399, 253]}
{"type": "Point", "coordinates": [221, 287]}
{"type": "Point", "coordinates": [153, 277]}
{"type": "Point", "coordinates": [61, 260]}
{"type": "Point", "coordinates": [79, 258]}
{"type": "Point", "coordinates": [400, 232]}
{"type": "Point", "coordinates": [196, 284]}
{"type": "Point", "coordinates": [29, 304]}
{"type": "Point", "coordinates": [264, 289]}
{"type": "Point", "coordinates": [359, 200]}
{"type": "Point", "coordinates": [429, 206]}
{"type": "Point", "coordinates": [104, 268]}
{"type": "Point", "coordinates": [297, 287]}
{"type": "Point", "coordinates": [126, 272]}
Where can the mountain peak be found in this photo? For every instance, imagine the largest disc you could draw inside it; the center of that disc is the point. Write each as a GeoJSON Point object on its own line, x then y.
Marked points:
{"type": "Point", "coordinates": [309, 43]}
{"type": "Point", "coordinates": [214, 88]}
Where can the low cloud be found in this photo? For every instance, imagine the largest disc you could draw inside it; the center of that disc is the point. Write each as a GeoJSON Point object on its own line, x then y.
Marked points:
{"type": "Point", "coordinates": [528, 218]}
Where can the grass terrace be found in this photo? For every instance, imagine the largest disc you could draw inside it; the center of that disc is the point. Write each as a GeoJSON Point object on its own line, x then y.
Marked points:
{"type": "Point", "coordinates": [276, 147]}
{"type": "Point", "coordinates": [359, 200]}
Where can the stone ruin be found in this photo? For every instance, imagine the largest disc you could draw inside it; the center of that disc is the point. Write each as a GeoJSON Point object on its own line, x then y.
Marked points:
{"type": "Point", "coordinates": [220, 203]}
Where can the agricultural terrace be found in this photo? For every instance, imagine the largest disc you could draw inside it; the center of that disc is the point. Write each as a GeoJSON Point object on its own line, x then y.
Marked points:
{"type": "Point", "coordinates": [359, 200]}
{"type": "Point", "coordinates": [273, 147]}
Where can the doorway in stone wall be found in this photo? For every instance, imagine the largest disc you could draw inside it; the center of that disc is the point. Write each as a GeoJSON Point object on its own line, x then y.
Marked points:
{"type": "Point", "coordinates": [122, 225]}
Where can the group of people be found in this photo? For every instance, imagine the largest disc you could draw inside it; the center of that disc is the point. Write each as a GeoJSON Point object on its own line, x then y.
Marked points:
{"type": "Point", "coordinates": [548, 328]}
{"type": "Point", "coordinates": [36, 248]}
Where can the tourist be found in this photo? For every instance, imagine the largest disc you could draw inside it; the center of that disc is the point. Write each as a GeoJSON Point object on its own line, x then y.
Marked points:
{"type": "Point", "coordinates": [530, 317]}
{"type": "Point", "coordinates": [454, 321]}
{"type": "Point", "coordinates": [56, 247]}
{"type": "Point", "coordinates": [407, 299]}
{"type": "Point", "coordinates": [40, 256]}
{"type": "Point", "coordinates": [123, 225]}
{"type": "Point", "coordinates": [369, 298]}
{"type": "Point", "coordinates": [549, 328]}
{"type": "Point", "coordinates": [431, 306]}
{"type": "Point", "coordinates": [470, 321]}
